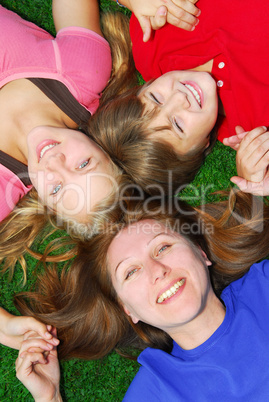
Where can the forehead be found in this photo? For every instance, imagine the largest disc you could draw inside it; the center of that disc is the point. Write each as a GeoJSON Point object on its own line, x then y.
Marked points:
{"type": "Point", "coordinates": [137, 235]}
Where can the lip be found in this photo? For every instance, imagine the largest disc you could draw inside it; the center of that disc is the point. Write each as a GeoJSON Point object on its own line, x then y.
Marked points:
{"type": "Point", "coordinates": [198, 89]}
{"type": "Point", "coordinates": [179, 291]}
{"type": "Point", "coordinates": [42, 145]}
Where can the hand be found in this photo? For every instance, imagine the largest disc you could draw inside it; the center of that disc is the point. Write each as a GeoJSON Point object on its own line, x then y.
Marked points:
{"type": "Point", "coordinates": [252, 156]}
{"type": "Point", "coordinates": [252, 161]}
{"type": "Point", "coordinates": [13, 328]}
{"type": "Point", "coordinates": [39, 372]}
{"type": "Point", "coordinates": [153, 14]}
{"type": "Point", "coordinates": [235, 140]}
{"type": "Point", "coordinates": [250, 187]}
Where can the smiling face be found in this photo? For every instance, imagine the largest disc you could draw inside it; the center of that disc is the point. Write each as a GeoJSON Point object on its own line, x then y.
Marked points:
{"type": "Point", "coordinates": [187, 108]}
{"type": "Point", "coordinates": [69, 171]}
{"type": "Point", "coordinates": [159, 277]}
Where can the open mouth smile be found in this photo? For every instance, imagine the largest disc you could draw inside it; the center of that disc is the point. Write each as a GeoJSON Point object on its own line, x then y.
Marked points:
{"type": "Point", "coordinates": [172, 291]}
{"type": "Point", "coordinates": [46, 148]}
{"type": "Point", "coordinates": [195, 94]}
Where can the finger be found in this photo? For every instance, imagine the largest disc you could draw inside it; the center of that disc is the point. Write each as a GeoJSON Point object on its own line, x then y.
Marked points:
{"type": "Point", "coordinates": [186, 21]}
{"type": "Point", "coordinates": [232, 142]}
{"type": "Point", "coordinates": [175, 7]}
{"type": "Point", "coordinates": [146, 27]}
{"type": "Point", "coordinates": [25, 366]}
{"type": "Point", "coordinates": [256, 152]}
{"type": "Point", "coordinates": [240, 130]}
{"type": "Point", "coordinates": [160, 18]}
{"type": "Point", "coordinates": [35, 343]}
{"type": "Point", "coordinates": [248, 187]}
{"type": "Point", "coordinates": [251, 136]}
{"type": "Point", "coordinates": [180, 23]}
{"type": "Point", "coordinates": [39, 332]}
{"type": "Point", "coordinates": [260, 160]}
{"type": "Point", "coordinates": [34, 325]}
{"type": "Point", "coordinates": [29, 359]}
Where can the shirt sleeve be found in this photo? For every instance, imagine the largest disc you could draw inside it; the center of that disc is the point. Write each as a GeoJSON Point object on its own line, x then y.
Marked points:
{"type": "Point", "coordinates": [144, 388]}
{"type": "Point", "coordinates": [11, 191]}
{"type": "Point", "coordinates": [84, 59]}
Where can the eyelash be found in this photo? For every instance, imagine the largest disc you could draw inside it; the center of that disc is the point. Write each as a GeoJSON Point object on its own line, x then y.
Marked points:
{"type": "Point", "coordinates": [130, 273]}
{"type": "Point", "coordinates": [155, 99]}
{"type": "Point", "coordinates": [56, 189]}
{"type": "Point", "coordinates": [177, 125]}
{"type": "Point", "coordinates": [87, 162]}
{"type": "Point", "coordinates": [163, 248]}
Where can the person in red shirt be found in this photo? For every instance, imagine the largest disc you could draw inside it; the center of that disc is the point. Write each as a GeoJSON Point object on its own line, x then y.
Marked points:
{"type": "Point", "coordinates": [224, 62]}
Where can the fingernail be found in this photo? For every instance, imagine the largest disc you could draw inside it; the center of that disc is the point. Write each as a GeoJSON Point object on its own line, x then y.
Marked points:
{"type": "Point", "coordinates": [49, 345]}
{"type": "Point", "coordinates": [196, 23]}
{"type": "Point", "coordinates": [198, 13]}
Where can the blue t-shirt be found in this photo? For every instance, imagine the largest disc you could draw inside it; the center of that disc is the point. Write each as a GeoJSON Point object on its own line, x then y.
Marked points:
{"type": "Point", "coordinates": [232, 365]}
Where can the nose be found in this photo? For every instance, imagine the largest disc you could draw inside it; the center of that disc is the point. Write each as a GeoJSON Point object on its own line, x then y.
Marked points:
{"type": "Point", "coordinates": [158, 270]}
{"type": "Point", "coordinates": [180, 98]}
{"type": "Point", "coordinates": [56, 162]}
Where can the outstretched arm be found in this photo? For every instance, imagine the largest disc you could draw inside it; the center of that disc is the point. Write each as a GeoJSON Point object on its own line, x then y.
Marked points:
{"type": "Point", "coordinates": [13, 329]}
{"type": "Point", "coordinates": [153, 14]}
{"type": "Point", "coordinates": [79, 13]}
{"type": "Point", "coordinates": [252, 160]}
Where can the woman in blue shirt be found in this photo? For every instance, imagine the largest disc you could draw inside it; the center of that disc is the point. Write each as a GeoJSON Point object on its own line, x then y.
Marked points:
{"type": "Point", "coordinates": [157, 278]}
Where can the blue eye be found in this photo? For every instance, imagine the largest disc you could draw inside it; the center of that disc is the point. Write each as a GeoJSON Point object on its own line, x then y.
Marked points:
{"type": "Point", "coordinates": [130, 273]}
{"type": "Point", "coordinates": [163, 248]}
{"type": "Point", "coordinates": [84, 164]}
{"type": "Point", "coordinates": [56, 189]}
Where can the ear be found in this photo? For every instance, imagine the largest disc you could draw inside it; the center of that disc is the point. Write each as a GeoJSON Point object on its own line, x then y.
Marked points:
{"type": "Point", "coordinates": [132, 316]}
{"type": "Point", "coordinates": [207, 261]}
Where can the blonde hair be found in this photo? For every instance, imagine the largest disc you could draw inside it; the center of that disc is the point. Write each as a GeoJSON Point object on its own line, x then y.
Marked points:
{"type": "Point", "coordinates": [30, 218]}
{"type": "Point", "coordinates": [115, 27]}
{"type": "Point", "coordinates": [31, 221]}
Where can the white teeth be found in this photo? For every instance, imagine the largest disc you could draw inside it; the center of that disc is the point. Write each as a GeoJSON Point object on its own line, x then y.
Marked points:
{"type": "Point", "coordinates": [170, 292]}
{"type": "Point", "coordinates": [195, 93]}
{"type": "Point", "coordinates": [43, 150]}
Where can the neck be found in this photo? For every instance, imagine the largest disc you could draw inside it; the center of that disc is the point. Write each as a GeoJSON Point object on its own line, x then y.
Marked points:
{"type": "Point", "coordinates": [23, 107]}
{"type": "Point", "coordinates": [202, 327]}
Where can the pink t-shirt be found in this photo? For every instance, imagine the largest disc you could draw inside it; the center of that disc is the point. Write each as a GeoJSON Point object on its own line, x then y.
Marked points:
{"type": "Point", "coordinates": [77, 57]}
{"type": "Point", "coordinates": [11, 190]}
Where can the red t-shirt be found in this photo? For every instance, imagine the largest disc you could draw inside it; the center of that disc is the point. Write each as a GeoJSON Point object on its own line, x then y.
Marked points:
{"type": "Point", "coordinates": [235, 33]}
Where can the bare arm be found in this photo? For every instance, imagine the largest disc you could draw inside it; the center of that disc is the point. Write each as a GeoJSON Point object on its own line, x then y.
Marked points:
{"type": "Point", "coordinates": [79, 13]}
{"type": "Point", "coordinates": [13, 329]}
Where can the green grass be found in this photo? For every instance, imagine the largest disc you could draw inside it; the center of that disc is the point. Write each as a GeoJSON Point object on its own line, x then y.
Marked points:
{"type": "Point", "coordinates": [108, 379]}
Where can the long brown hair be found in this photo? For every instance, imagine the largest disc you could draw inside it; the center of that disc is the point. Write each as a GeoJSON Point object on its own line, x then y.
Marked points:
{"type": "Point", "coordinates": [82, 303]}
{"type": "Point", "coordinates": [120, 127]}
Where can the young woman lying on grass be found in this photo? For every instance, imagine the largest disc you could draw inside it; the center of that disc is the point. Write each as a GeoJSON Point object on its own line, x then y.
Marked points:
{"type": "Point", "coordinates": [182, 104]}
{"type": "Point", "coordinates": [179, 284]}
